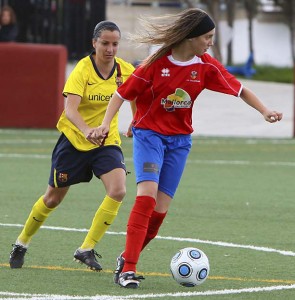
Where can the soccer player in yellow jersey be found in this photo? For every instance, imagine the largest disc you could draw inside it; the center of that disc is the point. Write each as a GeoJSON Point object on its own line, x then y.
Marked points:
{"type": "Point", "coordinates": [76, 156]}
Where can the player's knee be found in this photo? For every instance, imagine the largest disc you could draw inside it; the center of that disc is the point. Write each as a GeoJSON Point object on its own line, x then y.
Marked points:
{"type": "Point", "coordinates": [52, 200]}
{"type": "Point", "coordinates": [117, 193]}
{"type": "Point", "coordinates": [54, 196]}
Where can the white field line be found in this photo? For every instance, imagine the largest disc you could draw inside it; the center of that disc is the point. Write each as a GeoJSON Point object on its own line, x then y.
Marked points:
{"type": "Point", "coordinates": [25, 296]}
{"type": "Point", "coordinates": [28, 142]}
{"type": "Point", "coordinates": [171, 238]}
{"type": "Point", "coordinates": [199, 139]}
{"type": "Point", "coordinates": [189, 161]}
{"type": "Point", "coordinates": [41, 132]}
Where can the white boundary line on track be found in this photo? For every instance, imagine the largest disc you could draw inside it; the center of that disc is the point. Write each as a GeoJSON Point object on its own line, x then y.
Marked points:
{"type": "Point", "coordinates": [25, 296]}
{"type": "Point", "coordinates": [171, 238]}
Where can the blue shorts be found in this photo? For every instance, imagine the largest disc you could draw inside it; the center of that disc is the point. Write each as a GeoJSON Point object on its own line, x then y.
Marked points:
{"type": "Point", "coordinates": [71, 166]}
{"type": "Point", "coordinates": [160, 158]}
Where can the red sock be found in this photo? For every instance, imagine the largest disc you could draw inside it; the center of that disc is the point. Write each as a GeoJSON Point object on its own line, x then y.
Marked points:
{"type": "Point", "coordinates": [156, 221]}
{"type": "Point", "coordinates": [136, 230]}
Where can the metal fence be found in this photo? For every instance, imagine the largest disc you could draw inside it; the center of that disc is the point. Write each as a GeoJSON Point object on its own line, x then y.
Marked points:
{"type": "Point", "coordinates": [67, 22]}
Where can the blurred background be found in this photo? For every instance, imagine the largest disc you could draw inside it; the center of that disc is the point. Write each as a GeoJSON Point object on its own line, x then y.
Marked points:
{"type": "Point", "coordinates": [261, 27]}
{"type": "Point", "coordinates": [254, 39]}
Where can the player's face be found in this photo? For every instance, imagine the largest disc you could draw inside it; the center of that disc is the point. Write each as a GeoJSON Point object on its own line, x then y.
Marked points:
{"type": "Point", "coordinates": [6, 18]}
{"type": "Point", "coordinates": [106, 46]}
{"type": "Point", "coordinates": [203, 42]}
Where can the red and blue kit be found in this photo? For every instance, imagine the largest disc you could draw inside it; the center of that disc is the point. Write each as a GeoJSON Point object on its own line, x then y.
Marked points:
{"type": "Point", "coordinates": [165, 93]}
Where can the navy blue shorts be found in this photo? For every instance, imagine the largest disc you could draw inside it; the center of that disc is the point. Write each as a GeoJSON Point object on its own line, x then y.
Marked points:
{"type": "Point", "coordinates": [160, 158]}
{"type": "Point", "coordinates": [70, 166]}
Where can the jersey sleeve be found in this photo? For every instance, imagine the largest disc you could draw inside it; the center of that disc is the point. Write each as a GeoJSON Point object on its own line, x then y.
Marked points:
{"type": "Point", "coordinates": [218, 79]}
{"type": "Point", "coordinates": [76, 82]}
{"type": "Point", "coordinates": [135, 85]}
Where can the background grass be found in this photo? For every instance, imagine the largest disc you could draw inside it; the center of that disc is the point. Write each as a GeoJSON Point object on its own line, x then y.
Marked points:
{"type": "Point", "coordinates": [273, 74]}
{"type": "Point", "coordinates": [234, 190]}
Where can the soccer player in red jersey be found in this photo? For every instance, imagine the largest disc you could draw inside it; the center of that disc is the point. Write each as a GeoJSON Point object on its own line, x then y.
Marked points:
{"type": "Point", "coordinates": [165, 87]}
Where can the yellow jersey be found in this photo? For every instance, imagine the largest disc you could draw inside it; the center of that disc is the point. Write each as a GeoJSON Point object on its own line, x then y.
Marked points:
{"type": "Point", "coordinates": [95, 92]}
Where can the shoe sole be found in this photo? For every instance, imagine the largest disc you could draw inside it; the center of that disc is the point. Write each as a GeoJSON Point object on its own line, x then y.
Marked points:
{"type": "Point", "coordinates": [88, 267]}
{"type": "Point", "coordinates": [15, 267]}
{"type": "Point", "coordinates": [129, 286]}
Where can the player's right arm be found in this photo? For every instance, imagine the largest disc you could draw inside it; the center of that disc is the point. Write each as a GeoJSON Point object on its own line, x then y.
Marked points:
{"type": "Point", "coordinates": [71, 110]}
{"type": "Point", "coordinates": [101, 131]}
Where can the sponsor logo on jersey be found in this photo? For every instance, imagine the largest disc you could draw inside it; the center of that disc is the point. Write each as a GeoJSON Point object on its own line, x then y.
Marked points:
{"type": "Point", "coordinates": [180, 99]}
{"type": "Point", "coordinates": [100, 97]}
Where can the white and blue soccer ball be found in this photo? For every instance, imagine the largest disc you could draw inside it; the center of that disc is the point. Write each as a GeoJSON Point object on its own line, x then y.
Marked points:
{"type": "Point", "coordinates": [190, 267]}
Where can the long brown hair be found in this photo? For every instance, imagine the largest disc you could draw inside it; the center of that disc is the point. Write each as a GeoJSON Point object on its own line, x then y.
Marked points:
{"type": "Point", "coordinates": [167, 31]}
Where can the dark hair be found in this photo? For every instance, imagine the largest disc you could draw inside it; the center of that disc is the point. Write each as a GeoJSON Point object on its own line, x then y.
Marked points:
{"type": "Point", "coordinates": [104, 25]}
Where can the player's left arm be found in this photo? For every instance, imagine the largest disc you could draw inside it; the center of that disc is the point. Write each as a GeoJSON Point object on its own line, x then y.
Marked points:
{"type": "Point", "coordinates": [251, 99]}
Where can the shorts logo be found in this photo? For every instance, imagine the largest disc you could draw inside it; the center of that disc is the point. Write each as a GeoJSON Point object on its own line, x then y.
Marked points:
{"type": "Point", "coordinates": [63, 177]}
{"type": "Point", "coordinates": [150, 167]}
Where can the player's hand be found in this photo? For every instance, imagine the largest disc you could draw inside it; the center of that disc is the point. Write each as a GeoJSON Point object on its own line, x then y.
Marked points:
{"type": "Point", "coordinates": [88, 136]}
{"type": "Point", "coordinates": [273, 116]}
{"type": "Point", "coordinates": [98, 135]}
{"type": "Point", "coordinates": [129, 131]}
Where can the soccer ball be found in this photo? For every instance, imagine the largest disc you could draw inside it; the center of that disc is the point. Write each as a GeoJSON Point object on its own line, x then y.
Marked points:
{"type": "Point", "coordinates": [190, 267]}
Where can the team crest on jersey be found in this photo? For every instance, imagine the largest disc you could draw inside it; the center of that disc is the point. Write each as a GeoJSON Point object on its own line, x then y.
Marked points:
{"type": "Point", "coordinates": [194, 74]}
{"type": "Point", "coordinates": [63, 177]}
{"type": "Point", "coordinates": [119, 80]}
{"type": "Point", "coordinates": [180, 99]}
{"type": "Point", "coordinates": [165, 72]}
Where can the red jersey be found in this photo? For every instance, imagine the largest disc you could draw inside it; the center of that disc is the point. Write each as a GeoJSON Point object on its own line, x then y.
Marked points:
{"type": "Point", "coordinates": [166, 91]}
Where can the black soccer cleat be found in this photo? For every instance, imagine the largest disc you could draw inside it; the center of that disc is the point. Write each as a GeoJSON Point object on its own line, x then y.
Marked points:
{"type": "Point", "coordinates": [88, 258]}
{"type": "Point", "coordinates": [120, 265]}
{"type": "Point", "coordinates": [17, 254]}
{"type": "Point", "coordinates": [129, 280]}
